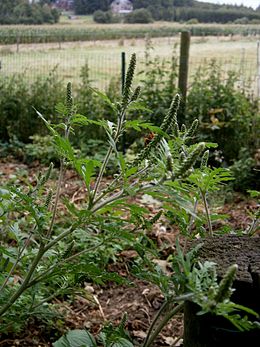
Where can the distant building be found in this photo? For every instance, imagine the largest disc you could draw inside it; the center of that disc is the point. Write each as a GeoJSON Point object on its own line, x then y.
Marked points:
{"type": "Point", "coordinates": [122, 6]}
{"type": "Point", "coordinates": [64, 4]}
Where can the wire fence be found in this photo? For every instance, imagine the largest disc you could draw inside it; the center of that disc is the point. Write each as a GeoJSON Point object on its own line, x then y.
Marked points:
{"type": "Point", "coordinates": [104, 60]}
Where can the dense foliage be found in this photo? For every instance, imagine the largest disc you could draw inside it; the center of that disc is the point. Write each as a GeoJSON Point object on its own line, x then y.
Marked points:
{"type": "Point", "coordinates": [183, 10]}
{"type": "Point", "coordinates": [227, 115]}
{"type": "Point", "coordinates": [141, 15]}
{"type": "Point", "coordinates": [105, 17]}
{"type": "Point", "coordinates": [177, 10]}
{"type": "Point", "coordinates": [90, 6]}
{"type": "Point", "coordinates": [23, 12]}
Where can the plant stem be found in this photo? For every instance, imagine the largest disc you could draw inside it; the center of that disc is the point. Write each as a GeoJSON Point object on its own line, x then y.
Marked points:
{"type": "Point", "coordinates": [108, 200]}
{"type": "Point", "coordinates": [57, 239]}
{"type": "Point", "coordinates": [42, 249]}
{"type": "Point", "coordinates": [192, 219]}
{"type": "Point", "coordinates": [162, 324]}
{"type": "Point", "coordinates": [47, 273]}
{"type": "Point", "coordinates": [254, 225]}
{"type": "Point", "coordinates": [101, 173]}
{"type": "Point", "coordinates": [206, 206]}
{"type": "Point", "coordinates": [158, 315]}
{"type": "Point", "coordinates": [24, 285]}
{"type": "Point", "coordinates": [19, 256]}
{"type": "Point", "coordinates": [54, 211]}
{"type": "Point", "coordinates": [121, 118]}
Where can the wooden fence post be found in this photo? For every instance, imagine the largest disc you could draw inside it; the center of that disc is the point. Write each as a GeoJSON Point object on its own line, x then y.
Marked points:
{"type": "Point", "coordinates": [258, 69]}
{"type": "Point", "coordinates": [17, 43]}
{"type": "Point", "coordinates": [123, 66]}
{"type": "Point", "coordinates": [123, 71]}
{"type": "Point", "coordinates": [183, 71]}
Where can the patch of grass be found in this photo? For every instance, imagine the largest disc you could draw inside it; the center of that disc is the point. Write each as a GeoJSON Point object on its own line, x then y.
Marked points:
{"type": "Point", "coordinates": [103, 57]}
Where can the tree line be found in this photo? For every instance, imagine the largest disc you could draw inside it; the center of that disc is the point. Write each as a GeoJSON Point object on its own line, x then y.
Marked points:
{"type": "Point", "coordinates": [176, 10]}
{"type": "Point", "coordinates": [23, 12]}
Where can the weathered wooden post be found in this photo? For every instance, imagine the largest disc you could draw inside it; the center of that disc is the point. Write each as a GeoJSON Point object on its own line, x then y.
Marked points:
{"type": "Point", "coordinates": [213, 331]}
{"type": "Point", "coordinates": [183, 71]}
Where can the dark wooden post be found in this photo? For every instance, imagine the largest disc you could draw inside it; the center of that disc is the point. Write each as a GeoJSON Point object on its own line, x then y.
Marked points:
{"type": "Point", "coordinates": [183, 71]}
{"type": "Point", "coordinates": [123, 67]}
{"type": "Point", "coordinates": [214, 331]}
{"type": "Point", "coordinates": [123, 71]}
{"type": "Point", "coordinates": [17, 43]}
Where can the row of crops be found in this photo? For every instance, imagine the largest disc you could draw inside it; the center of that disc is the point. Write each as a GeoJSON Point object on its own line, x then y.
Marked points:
{"type": "Point", "coordinates": [34, 34]}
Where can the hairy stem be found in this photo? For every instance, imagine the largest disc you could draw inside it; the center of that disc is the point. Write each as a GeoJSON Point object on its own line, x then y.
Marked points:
{"type": "Point", "coordinates": [42, 249]}
{"type": "Point", "coordinates": [47, 273]}
{"type": "Point", "coordinates": [162, 324]}
{"type": "Point", "coordinates": [206, 206]}
{"type": "Point", "coordinates": [54, 211]}
{"type": "Point", "coordinates": [156, 318]}
{"type": "Point", "coordinates": [119, 129]}
{"type": "Point", "coordinates": [26, 281]}
{"type": "Point", "coordinates": [19, 257]}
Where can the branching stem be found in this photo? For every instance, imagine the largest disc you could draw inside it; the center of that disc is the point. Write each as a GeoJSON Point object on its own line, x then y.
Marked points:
{"type": "Point", "coordinates": [206, 206]}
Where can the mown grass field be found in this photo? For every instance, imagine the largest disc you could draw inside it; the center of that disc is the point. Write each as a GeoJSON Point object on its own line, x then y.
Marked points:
{"type": "Point", "coordinates": [104, 56]}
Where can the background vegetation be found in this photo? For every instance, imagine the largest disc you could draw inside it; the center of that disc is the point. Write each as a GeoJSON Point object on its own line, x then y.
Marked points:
{"type": "Point", "coordinates": [22, 12]}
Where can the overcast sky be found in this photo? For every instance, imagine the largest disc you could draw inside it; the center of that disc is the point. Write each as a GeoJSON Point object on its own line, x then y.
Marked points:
{"type": "Point", "coordinates": [249, 3]}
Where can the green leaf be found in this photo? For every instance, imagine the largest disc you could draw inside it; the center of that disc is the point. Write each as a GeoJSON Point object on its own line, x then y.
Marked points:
{"type": "Point", "coordinates": [122, 162]}
{"type": "Point", "coordinates": [86, 168]}
{"type": "Point", "coordinates": [76, 338]}
{"type": "Point", "coordinates": [131, 171]}
{"type": "Point", "coordinates": [6, 263]}
{"type": "Point", "coordinates": [121, 342]}
{"type": "Point", "coordinates": [61, 108]}
{"type": "Point", "coordinates": [211, 145]}
{"type": "Point", "coordinates": [64, 147]}
{"type": "Point", "coordinates": [105, 98]}
{"type": "Point", "coordinates": [254, 193]}
{"type": "Point", "coordinates": [138, 126]}
{"type": "Point", "coordinates": [79, 119]}
{"type": "Point", "coordinates": [138, 106]}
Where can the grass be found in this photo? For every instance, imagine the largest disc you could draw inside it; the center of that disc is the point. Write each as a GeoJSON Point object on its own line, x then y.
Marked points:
{"type": "Point", "coordinates": [103, 57]}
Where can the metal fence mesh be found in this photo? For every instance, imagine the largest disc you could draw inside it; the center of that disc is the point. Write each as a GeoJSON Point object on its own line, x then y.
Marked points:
{"type": "Point", "coordinates": [104, 61]}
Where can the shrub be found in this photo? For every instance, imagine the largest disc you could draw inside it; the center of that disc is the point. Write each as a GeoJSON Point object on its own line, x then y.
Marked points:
{"type": "Point", "coordinates": [225, 113]}
{"type": "Point", "coordinates": [17, 102]}
{"type": "Point", "coordinates": [105, 17]}
{"type": "Point", "coordinates": [245, 170]}
{"type": "Point", "coordinates": [23, 12]}
{"type": "Point", "coordinates": [41, 149]}
{"type": "Point", "coordinates": [243, 20]}
{"type": "Point", "coordinates": [159, 83]}
{"type": "Point", "coordinates": [141, 15]}
{"type": "Point", "coordinates": [193, 21]}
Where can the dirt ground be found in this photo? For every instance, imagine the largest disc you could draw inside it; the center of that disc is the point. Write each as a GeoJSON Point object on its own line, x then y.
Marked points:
{"type": "Point", "coordinates": [140, 300]}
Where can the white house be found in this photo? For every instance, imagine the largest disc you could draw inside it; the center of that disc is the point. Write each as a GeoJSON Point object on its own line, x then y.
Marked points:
{"type": "Point", "coordinates": [121, 6]}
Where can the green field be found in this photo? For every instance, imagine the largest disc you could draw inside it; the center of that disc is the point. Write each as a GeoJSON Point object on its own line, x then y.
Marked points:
{"type": "Point", "coordinates": [104, 57]}
{"type": "Point", "coordinates": [84, 29]}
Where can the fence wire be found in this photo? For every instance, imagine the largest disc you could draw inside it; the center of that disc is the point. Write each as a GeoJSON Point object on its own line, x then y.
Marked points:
{"type": "Point", "coordinates": [104, 61]}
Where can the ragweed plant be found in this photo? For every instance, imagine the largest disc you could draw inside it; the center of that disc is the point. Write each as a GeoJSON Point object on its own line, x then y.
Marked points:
{"type": "Point", "coordinates": [53, 253]}
{"type": "Point", "coordinates": [48, 248]}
